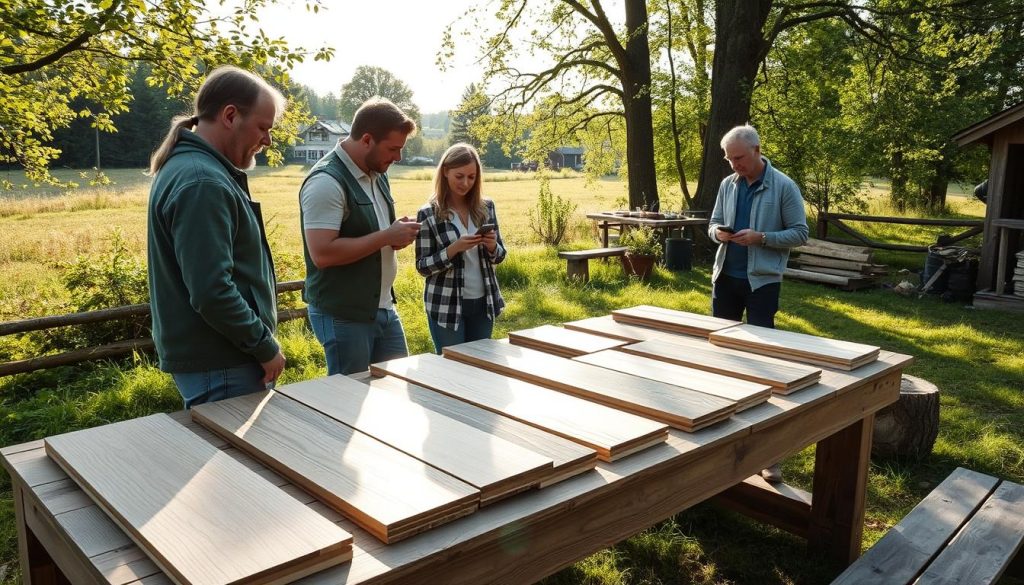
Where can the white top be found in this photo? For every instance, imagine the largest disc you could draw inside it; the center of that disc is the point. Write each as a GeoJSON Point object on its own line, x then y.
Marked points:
{"type": "Point", "coordinates": [472, 271]}
{"type": "Point", "coordinates": [323, 207]}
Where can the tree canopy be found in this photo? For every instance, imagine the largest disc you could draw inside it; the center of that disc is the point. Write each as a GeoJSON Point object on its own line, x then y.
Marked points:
{"type": "Point", "coordinates": [369, 81]}
{"type": "Point", "coordinates": [60, 61]}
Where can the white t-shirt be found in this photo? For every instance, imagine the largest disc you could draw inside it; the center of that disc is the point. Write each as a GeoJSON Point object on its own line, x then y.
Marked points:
{"type": "Point", "coordinates": [472, 271]}
{"type": "Point", "coordinates": [323, 207]}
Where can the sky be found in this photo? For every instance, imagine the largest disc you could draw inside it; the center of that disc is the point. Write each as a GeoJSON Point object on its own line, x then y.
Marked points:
{"type": "Point", "coordinates": [402, 36]}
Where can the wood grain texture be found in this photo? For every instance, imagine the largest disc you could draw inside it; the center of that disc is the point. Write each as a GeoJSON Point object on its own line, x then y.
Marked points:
{"type": "Point", "coordinates": [561, 341]}
{"type": "Point", "coordinates": [784, 377]}
{"type": "Point", "coordinates": [608, 327]}
{"type": "Point", "coordinates": [672, 320]}
{"type": "Point", "coordinates": [986, 545]}
{"type": "Point", "coordinates": [810, 349]}
{"type": "Point", "coordinates": [387, 492]}
{"type": "Point", "coordinates": [680, 408]}
{"type": "Point", "coordinates": [185, 502]}
{"type": "Point", "coordinates": [612, 433]}
{"type": "Point", "coordinates": [493, 465]}
{"type": "Point", "coordinates": [746, 394]}
{"type": "Point", "coordinates": [907, 548]}
{"type": "Point", "coordinates": [568, 457]}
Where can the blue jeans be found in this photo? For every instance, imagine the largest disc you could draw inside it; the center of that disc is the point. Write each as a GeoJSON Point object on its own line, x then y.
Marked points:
{"type": "Point", "coordinates": [351, 346]}
{"type": "Point", "coordinates": [730, 296]}
{"type": "Point", "coordinates": [473, 324]}
{"type": "Point", "coordinates": [212, 385]}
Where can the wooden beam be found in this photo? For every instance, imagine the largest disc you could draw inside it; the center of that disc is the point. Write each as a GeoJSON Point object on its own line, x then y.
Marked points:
{"type": "Point", "coordinates": [781, 505]}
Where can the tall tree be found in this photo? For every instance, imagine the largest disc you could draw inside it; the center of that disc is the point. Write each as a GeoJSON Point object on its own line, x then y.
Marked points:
{"type": "Point", "coordinates": [600, 70]}
{"type": "Point", "coordinates": [474, 104]}
{"type": "Point", "coordinates": [369, 81]}
{"type": "Point", "coordinates": [52, 53]}
{"type": "Point", "coordinates": [745, 30]}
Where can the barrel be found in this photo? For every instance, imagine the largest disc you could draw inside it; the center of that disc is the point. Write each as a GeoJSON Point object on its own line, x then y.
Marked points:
{"type": "Point", "coordinates": [678, 254]}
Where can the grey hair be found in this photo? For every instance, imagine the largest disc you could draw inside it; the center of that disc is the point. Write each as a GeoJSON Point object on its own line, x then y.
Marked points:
{"type": "Point", "coordinates": [746, 133]}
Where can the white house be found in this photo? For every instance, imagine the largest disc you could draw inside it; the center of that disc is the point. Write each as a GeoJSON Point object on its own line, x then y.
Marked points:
{"type": "Point", "coordinates": [318, 139]}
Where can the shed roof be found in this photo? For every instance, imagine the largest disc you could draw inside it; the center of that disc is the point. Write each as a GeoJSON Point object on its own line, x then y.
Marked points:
{"type": "Point", "coordinates": [988, 126]}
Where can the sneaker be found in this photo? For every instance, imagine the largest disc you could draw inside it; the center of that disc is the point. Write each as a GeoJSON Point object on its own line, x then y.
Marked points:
{"type": "Point", "coordinates": [772, 474]}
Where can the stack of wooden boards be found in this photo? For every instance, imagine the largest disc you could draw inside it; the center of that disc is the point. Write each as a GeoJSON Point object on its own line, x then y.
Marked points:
{"type": "Point", "coordinates": [845, 266]}
{"type": "Point", "coordinates": [431, 439]}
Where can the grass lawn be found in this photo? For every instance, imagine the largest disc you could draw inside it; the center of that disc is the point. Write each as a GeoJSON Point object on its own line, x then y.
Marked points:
{"type": "Point", "coordinates": [975, 357]}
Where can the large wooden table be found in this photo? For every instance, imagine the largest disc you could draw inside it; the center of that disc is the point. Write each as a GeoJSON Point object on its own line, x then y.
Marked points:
{"type": "Point", "coordinates": [606, 221]}
{"type": "Point", "coordinates": [64, 537]}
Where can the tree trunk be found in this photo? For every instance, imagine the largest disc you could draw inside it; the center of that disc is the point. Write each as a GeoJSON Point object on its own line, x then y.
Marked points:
{"type": "Point", "coordinates": [739, 48]}
{"type": "Point", "coordinates": [636, 102]}
{"type": "Point", "coordinates": [908, 428]}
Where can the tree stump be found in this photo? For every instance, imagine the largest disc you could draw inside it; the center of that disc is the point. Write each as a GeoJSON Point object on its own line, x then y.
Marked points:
{"type": "Point", "coordinates": [908, 427]}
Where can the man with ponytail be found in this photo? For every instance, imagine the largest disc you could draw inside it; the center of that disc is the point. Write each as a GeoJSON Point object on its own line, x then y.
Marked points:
{"type": "Point", "coordinates": [211, 276]}
{"type": "Point", "coordinates": [349, 236]}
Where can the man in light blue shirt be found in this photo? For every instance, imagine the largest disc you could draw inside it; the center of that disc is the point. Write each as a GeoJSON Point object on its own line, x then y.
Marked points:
{"type": "Point", "coordinates": [759, 215]}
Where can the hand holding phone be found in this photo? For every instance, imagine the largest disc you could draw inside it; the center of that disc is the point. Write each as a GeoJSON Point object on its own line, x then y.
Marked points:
{"type": "Point", "coordinates": [727, 229]}
{"type": "Point", "coordinates": [486, 229]}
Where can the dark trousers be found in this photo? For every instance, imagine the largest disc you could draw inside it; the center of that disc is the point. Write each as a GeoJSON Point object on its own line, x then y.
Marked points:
{"type": "Point", "coordinates": [731, 296]}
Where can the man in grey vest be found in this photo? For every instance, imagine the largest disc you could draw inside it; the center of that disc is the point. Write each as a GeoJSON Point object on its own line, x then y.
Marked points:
{"type": "Point", "coordinates": [350, 235]}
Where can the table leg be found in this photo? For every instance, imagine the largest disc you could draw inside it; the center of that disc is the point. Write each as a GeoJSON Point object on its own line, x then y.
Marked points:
{"type": "Point", "coordinates": [604, 234]}
{"type": "Point", "coordinates": [37, 567]}
{"type": "Point", "coordinates": [840, 481]}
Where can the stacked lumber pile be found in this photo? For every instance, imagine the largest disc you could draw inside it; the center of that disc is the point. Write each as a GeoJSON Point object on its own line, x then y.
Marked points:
{"type": "Point", "coordinates": [847, 267]}
{"type": "Point", "coordinates": [1018, 275]}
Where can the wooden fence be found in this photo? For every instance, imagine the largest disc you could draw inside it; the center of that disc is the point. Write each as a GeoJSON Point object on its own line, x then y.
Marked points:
{"type": "Point", "coordinates": [110, 350]}
{"type": "Point", "coordinates": [827, 220]}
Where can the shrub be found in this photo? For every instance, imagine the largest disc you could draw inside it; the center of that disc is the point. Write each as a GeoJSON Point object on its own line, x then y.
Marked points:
{"type": "Point", "coordinates": [642, 241]}
{"type": "Point", "coordinates": [551, 216]}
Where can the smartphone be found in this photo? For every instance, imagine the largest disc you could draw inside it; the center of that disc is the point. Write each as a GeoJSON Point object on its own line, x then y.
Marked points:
{"type": "Point", "coordinates": [727, 229]}
{"type": "Point", "coordinates": [486, 229]}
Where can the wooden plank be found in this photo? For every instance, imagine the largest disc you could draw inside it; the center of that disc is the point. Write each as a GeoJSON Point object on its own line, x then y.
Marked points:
{"type": "Point", "coordinates": [612, 433]}
{"type": "Point", "coordinates": [569, 458]}
{"type": "Point", "coordinates": [682, 409]}
{"type": "Point", "coordinates": [595, 253]}
{"type": "Point", "coordinates": [818, 250]}
{"type": "Point", "coordinates": [812, 349]}
{"type": "Point", "coordinates": [562, 341]}
{"type": "Point", "coordinates": [818, 243]}
{"type": "Point", "coordinates": [672, 320]}
{"type": "Point", "coordinates": [907, 548]}
{"type": "Point", "coordinates": [162, 485]}
{"type": "Point", "coordinates": [983, 549]}
{"type": "Point", "coordinates": [609, 327]}
{"type": "Point", "coordinates": [383, 490]}
{"type": "Point", "coordinates": [779, 504]}
{"type": "Point", "coordinates": [493, 465]}
{"type": "Point", "coordinates": [784, 377]}
{"type": "Point", "coordinates": [852, 266]}
{"type": "Point", "coordinates": [746, 394]}
{"type": "Point", "coordinates": [822, 278]}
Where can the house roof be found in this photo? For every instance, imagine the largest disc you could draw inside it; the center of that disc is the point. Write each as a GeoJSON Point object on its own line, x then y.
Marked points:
{"type": "Point", "coordinates": [569, 150]}
{"type": "Point", "coordinates": [332, 126]}
{"type": "Point", "coordinates": [985, 128]}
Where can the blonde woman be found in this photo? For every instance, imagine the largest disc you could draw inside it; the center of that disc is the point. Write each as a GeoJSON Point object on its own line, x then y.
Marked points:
{"type": "Point", "coordinates": [458, 245]}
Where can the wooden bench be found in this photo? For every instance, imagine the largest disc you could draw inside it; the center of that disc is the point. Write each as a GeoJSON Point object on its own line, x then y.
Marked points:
{"type": "Point", "coordinates": [578, 261]}
{"type": "Point", "coordinates": [967, 530]}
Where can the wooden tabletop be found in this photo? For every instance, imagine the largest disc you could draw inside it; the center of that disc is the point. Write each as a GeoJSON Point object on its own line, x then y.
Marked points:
{"type": "Point", "coordinates": [655, 223]}
{"type": "Point", "coordinates": [533, 534]}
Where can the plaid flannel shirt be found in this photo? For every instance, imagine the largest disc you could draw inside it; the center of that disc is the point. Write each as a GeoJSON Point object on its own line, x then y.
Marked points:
{"type": "Point", "coordinates": [442, 294]}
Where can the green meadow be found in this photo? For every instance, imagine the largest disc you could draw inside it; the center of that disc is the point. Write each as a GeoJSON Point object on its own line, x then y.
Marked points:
{"type": "Point", "coordinates": [976, 357]}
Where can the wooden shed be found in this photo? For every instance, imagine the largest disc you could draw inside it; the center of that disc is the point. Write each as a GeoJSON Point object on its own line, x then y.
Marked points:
{"type": "Point", "coordinates": [1002, 253]}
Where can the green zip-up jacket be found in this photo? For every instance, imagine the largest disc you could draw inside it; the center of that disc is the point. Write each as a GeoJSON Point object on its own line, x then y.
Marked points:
{"type": "Point", "coordinates": [211, 276]}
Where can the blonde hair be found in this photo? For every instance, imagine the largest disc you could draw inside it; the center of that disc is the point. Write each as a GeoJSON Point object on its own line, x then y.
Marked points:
{"type": "Point", "coordinates": [459, 155]}
{"type": "Point", "coordinates": [226, 85]}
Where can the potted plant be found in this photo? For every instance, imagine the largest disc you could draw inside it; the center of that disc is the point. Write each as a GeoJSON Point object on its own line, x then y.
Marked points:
{"type": "Point", "coordinates": [643, 246]}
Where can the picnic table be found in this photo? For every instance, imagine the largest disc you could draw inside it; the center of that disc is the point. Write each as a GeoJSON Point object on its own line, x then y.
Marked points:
{"type": "Point", "coordinates": [63, 536]}
{"type": "Point", "coordinates": [607, 220]}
